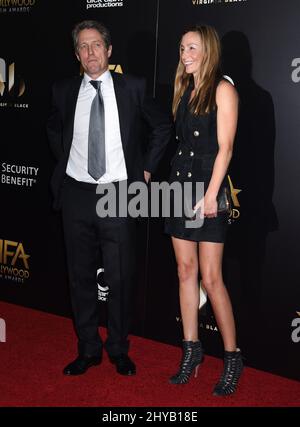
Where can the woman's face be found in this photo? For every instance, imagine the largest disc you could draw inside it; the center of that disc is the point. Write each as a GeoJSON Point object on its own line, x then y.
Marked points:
{"type": "Point", "coordinates": [191, 52]}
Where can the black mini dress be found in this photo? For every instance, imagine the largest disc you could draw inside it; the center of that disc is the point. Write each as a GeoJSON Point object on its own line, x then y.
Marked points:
{"type": "Point", "coordinates": [193, 162]}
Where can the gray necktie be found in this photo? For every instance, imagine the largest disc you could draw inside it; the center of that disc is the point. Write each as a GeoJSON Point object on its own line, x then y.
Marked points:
{"type": "Point", "coordinates": [96, 142]}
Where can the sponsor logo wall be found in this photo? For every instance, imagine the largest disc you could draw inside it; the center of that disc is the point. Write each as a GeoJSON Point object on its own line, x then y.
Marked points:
{"type": "Point", "coordinates": [258, 254]}
{"type": "Point", "coordinates": [216, 2]}
{"type": "Point", "coordinates": [261, 255]}
{"type": "Point", "coordinates": [99, 4]}
{"type": "Point", "coordinates": [16, 6]}
{"type": "Point", "coordinates": [103, 288]}
{"type": "Point", "coordinates": [14, 262]}
{"type": "Point", "coordinates": [12, 86]}
{"type": "Point", "coordinates": [28, 67]}
{"type": "Point", "coordinates": [20, 175]}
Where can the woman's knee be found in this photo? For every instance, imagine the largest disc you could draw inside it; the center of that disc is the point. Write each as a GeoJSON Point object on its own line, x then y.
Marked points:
{"type": "Point", "coordinates": [211, 282]}
{"type": "Point", "coordinates": [187, 270]}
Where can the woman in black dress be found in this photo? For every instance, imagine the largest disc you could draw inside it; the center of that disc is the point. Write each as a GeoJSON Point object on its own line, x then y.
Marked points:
{"type": "Point", "coordinates": [205, 107]}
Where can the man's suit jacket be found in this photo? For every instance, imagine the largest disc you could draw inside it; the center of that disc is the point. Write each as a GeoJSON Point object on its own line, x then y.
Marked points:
{"type": "Point", "coordinates": [134, 107]}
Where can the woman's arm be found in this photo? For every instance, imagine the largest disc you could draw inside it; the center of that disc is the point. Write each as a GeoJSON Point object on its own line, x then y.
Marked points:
{"type": "Point", "coordinates": [227, 115]}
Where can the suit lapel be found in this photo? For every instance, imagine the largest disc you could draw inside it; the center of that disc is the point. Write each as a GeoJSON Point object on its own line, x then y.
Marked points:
{"type": "Point", "coordinates": [70, 113]}
{"type": "Point", "coordinates": [123, 106]}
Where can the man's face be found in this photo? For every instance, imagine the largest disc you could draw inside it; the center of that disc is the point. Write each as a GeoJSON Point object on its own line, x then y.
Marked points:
{"type": "Point", "coordinates": [92, 52]}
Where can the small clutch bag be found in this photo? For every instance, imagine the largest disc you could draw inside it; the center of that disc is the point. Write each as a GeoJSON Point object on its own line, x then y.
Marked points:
{"type": "Point", "coordinates": [223, 199]}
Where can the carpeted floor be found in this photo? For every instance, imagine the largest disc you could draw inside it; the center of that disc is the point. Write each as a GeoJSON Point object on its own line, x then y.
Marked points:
{"type": "Point", "coordinates": [39, 345]}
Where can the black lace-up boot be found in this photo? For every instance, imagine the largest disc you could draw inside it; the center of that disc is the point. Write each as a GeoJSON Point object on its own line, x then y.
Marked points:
{"type": "Point", "coordinates": [191, 358]}
{"type": "Point", "coordinates": [233, 366]}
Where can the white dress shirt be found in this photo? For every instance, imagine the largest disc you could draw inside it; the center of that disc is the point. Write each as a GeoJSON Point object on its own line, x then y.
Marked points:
{"type": "Point", "coordinates": [77, 166]}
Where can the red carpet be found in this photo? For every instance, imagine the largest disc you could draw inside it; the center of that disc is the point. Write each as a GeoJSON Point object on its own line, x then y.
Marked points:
{"type": "Point", "coordinates": [38, 345]}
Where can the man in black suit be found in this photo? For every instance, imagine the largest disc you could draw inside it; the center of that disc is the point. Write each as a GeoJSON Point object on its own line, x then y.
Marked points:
{"type": "Point", "coordinates": [120, 104]}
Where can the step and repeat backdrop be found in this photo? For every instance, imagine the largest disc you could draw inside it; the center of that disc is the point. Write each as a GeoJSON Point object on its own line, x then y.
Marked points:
{"type": "Point", "coordinates": [260, 44]}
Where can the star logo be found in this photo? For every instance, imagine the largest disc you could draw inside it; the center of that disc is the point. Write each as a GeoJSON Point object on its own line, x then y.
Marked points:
{"type": "Point", "coordinates": [234, 192]}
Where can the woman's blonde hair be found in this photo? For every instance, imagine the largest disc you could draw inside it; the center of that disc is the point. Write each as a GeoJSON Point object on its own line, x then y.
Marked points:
{"type": "Point", "coordinates": [209, 74]}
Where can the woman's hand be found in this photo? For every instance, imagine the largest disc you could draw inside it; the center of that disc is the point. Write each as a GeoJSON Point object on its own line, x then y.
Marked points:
{"type": "Point", "coordinates": [208, 206]}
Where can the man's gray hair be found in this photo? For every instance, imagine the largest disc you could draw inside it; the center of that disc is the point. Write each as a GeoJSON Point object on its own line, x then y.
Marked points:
{"type": "Point", "coordinates": [87, 25]}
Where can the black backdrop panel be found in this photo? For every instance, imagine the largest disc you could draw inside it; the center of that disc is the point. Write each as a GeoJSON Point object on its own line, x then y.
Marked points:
{"type": "Point", "coordinates": [260, 265]}
{"type": "Point", "coordinates": [260, 41]}
{"type": "Point", "coordinates": [36, 40]}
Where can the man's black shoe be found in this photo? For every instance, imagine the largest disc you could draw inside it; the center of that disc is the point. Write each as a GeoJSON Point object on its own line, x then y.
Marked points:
{"type": "Point", "coordinates": [123, 364]}
{"type": "Point", "coordinates": [80, 365]}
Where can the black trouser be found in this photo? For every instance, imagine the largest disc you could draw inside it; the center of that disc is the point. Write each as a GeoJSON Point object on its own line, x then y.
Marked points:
{"type": "Point", "coordinates": [85, 236]}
